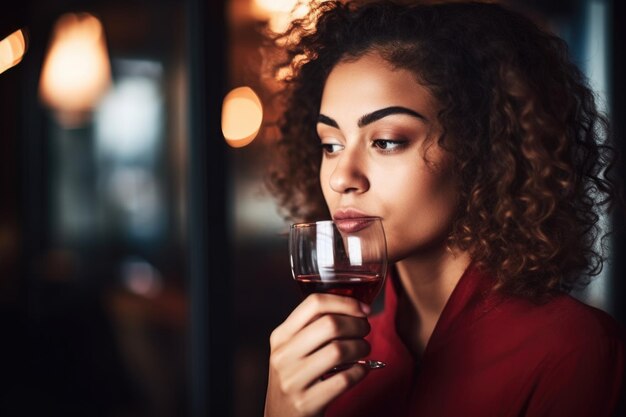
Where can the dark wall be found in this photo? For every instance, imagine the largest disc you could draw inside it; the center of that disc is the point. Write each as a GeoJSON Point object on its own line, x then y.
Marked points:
{"type": "Point", "coordinates": [61, 350]}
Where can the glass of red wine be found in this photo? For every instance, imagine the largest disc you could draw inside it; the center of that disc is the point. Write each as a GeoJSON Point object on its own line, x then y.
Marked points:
{"type": "Point", "coordinates": [344, 257]}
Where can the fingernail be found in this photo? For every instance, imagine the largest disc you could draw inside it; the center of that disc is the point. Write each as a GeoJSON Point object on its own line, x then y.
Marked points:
{"type": "Point", "coordinates": [365, 308]}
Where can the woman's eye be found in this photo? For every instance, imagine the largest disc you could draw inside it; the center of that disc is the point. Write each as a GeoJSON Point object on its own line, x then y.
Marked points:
{"type": "Point", "coordinates": [331, 147]}
{"type": "Point", "coordinates": [388, 144]}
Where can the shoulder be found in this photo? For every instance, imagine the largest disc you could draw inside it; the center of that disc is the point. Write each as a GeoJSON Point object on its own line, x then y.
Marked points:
{"type": "Point", "coordinates": [571, 316]}
{"type": "Point", "coordinates": [564, 321]}
{"type": "Point", "coordinates": [581, 358]}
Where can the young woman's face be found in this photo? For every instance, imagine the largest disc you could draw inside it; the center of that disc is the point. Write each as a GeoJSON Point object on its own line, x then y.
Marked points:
{"type": "Point", "coordinates": [378, 129]}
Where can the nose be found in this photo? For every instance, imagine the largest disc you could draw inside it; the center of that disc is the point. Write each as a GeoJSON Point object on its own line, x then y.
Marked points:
{"type": "Point", "coordinates": [350, 172]}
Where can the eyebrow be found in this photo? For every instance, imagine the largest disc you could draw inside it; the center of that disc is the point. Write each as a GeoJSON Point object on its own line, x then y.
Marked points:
{"type": "Point", "coordinates": [373, 116]}
{"type": "Point", "coordinates": [327, 121]}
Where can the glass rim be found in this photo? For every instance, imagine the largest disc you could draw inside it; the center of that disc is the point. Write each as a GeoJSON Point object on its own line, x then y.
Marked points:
{"type": "Point", "coordinates": [315, 223]}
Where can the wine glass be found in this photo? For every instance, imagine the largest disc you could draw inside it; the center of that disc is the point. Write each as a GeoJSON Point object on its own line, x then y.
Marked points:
{"type": "Point", "coordinates": [345, 257]}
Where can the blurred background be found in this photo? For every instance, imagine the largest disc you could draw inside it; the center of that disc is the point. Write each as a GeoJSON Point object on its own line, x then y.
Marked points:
{"type": "Point", "coordinates": [142, 263]}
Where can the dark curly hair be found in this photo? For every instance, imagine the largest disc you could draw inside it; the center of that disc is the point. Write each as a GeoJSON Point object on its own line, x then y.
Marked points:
{"type": "Point", "coordinates": [528, 143]}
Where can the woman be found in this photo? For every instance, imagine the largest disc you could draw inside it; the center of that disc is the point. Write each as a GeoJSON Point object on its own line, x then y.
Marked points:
{"type": "Point", "coordinates": [470, 133]}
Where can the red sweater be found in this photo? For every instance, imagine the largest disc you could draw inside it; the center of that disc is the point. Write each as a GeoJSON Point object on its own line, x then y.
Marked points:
{"type": "Point", "coordinates": [491, 355]}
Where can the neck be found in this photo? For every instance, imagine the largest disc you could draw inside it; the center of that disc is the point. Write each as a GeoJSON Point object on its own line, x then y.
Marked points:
{"type": "Point", "coordinates": [427, 281]}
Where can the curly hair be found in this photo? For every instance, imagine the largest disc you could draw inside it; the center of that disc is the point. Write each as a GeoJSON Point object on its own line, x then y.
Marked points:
{"type": "Point", "coordinates": [529, 146]}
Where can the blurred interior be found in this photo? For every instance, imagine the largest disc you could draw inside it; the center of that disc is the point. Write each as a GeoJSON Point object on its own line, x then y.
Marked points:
{"type": "Point", "coordinates": [142, 262]}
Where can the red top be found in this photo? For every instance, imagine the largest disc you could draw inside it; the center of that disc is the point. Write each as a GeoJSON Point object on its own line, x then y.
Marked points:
{"type": "Point", "coordinates": [493, 355]}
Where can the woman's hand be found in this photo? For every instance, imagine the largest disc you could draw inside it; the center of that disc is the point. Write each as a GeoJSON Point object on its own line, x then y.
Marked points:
{"type": "Point", "coordinates": [324, 331]}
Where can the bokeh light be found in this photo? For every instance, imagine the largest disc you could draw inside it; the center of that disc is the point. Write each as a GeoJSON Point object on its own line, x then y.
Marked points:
{"type": "Point", "coordinates": [273, 6]}
{"type": "Point", "coordinates": [12, 49]}
{"type": "Point", "coordinates": [76, 71]}
{"type": "Point", "coordinates": [242, 114]}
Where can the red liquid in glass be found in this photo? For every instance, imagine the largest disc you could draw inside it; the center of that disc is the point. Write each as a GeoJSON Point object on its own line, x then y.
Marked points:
{"type": "Point", "coordinates": [364, 286]}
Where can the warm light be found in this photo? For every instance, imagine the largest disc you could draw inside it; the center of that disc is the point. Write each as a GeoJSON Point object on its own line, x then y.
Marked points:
{"type": "Point", "coordinates": [12, 49]}
{"type": "Point", "coordinates": [242, 114]}
{"type": "Point", "coordinates": [274, 6]}
{"type": "Point", "coordinates": [280, 13]}
{"type": "Point", "coordinates": [279, 21]}
{"type": "Point", "coordinates": [286, 72]}
{"type": "Point", "coordinates": [76, 72]}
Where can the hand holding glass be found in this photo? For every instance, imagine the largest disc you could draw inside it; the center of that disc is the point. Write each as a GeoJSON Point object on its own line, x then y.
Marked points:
{"type": "Point", "coordinates": [345, 257]}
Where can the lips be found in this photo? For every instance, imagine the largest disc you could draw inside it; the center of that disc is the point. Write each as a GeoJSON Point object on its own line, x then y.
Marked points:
{"type": "Point", "coordinates": [352, 220]}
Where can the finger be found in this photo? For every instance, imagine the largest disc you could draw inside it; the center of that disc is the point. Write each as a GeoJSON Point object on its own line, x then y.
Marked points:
{"type": "Point", "coordinates": [336, 353]}
{"type": "Point", "coordinates": [297, 376]}
{"type": "Point", "coordinates": [322, 393]}
{"type": "Point", "coordinates": [325, 329]}
{"type": "Point", "coordinates": [313, 306]}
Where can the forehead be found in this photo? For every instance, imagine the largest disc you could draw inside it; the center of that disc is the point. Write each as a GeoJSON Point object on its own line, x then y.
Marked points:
{"type": "Point", "coordinates": [360, 86]}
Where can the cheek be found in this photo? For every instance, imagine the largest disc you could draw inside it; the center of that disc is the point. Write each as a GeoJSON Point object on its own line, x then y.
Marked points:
{"type": "Point", "coordinates": [421, 209]}
{"type": "Point", "coordinates": [324, 177]}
